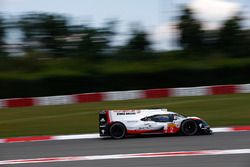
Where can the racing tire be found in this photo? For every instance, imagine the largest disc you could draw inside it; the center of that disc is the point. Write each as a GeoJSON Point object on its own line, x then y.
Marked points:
{"type": "Point", "coordinates": [189, 127]}
{"type": "Point", "coordinates": [117, 130]}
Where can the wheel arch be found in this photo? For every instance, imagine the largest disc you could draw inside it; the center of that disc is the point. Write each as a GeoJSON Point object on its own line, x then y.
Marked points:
{"type": "Point", "coordinates": [119, 123]}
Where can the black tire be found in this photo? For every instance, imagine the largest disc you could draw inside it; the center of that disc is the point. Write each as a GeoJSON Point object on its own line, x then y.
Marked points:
{"type": "Point", "coordinates": [189, 127]}
{"type": "Point", "coordinates": [117, 130]}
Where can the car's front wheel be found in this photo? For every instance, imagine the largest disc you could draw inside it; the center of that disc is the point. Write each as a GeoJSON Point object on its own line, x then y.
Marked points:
{"type": "Point", "coordinates": [117, 130]}
{"type": "Point", "coordinates": [189, 127]}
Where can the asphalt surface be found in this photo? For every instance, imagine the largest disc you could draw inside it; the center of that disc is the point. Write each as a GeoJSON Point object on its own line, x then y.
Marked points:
{"type": "Point", "coordinates": [218, 141]}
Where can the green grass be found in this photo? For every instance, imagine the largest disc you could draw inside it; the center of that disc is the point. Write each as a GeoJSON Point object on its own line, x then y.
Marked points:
{"type": "Point", "coordinates": [221, 110]}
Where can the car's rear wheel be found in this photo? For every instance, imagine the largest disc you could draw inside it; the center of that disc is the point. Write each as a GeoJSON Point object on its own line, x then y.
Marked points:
{"type": "Point", "coordinates": [117, 130]}
{"type": "Point", "coordinates": [189, 127]}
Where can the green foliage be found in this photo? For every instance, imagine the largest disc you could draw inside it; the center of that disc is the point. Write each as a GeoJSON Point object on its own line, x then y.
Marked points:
{"type": "Point", "coordinates": [44, 32]}
{"type": "Point", "coordinates": [139, 42]}
{"type": "Point", "coordinates": [137, 48]}
{"type": "Point", "coordinates": [232, 39]}
{"type": "Point", "coordinates": [2, 35]}
{"type": "Point", "coordinates": [191, 34]}
{"type": "Point", "coordinates": [81, 58]}
{"type": "Point", "coordinates": [94, 42]}
{"type": "Point", "coordinates": [53, 36]}
{"type": "Point", "coordinates": [34, 75]}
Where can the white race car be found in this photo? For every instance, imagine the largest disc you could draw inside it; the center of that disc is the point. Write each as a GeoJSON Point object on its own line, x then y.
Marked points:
{"type": "Point", "coordinates": [120, 123]}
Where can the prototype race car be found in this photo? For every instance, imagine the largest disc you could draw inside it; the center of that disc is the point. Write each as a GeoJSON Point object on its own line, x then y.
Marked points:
{"type": "Point", "coordinates": [120, 123]}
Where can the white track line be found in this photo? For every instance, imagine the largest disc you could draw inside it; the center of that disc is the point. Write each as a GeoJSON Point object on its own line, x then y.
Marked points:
{"type": "Point", "coordinates": [125, 156]}
{"type": "Point", "coordinates": [222, 129]}
{"type": "Point", "coordinates": [83, 136]}
{"type": "Point", "coordinates": [96, 135]}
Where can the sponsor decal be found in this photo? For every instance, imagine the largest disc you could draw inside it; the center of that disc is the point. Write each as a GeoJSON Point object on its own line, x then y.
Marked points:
{"type": "Point", "coordinates": [126, 113]}
{"type": "Point", "coordinates": [172, 128]}
{"type": "Point", "coordinates": [102, 120]}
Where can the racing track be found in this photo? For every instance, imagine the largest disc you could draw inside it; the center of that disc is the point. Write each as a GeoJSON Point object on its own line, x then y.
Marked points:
{"type": "Point", "coordinates": [218, 141]}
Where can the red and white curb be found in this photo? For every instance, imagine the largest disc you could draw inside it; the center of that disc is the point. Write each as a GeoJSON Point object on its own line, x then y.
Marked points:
{"type": "Point", "coordinates": [96, 135]}
{"type": "Point", "coordinates": [49, 138]}
{"type": "Point", "coordinates": [126, 156]}
{"type": "Point", "coordinates": [124, 95]}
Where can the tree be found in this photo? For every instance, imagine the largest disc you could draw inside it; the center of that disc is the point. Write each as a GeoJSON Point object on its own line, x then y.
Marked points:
{"type": "Point", "coordinates": [95, 41]}
{"type": "Point", "coordinates": [138, 46]}
{"type": "Point", "coordinates": [139, 42]}
{"type": "Point", "coordinates": [45, 32]}
{"type": "Point", "coordinates": [2, 35]}
{"type": "Point", "coordinates": [191, 34]}
{"type": "Point", "coordinates": [90, 47]}
{"type": "Point", "coordinates": [232, 39]}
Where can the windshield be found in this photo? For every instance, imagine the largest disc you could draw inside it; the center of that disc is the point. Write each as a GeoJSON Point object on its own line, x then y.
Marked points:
{"type": "Point", "coordinates": [178, 116]}
{"type": "Point", "coordinates": [158, 118]}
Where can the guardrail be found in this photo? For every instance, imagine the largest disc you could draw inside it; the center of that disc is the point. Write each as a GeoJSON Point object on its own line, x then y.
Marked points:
{"type": "Point", "coordinates": [125, 95]}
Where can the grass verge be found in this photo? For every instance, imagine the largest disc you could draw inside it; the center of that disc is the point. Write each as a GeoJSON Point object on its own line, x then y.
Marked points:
{"type": "Point", "coordinates": [220, 110]}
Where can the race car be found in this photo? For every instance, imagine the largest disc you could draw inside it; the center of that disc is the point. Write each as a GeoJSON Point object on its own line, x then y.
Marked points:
{"type": "Point", "coordinates": [121, 123]}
